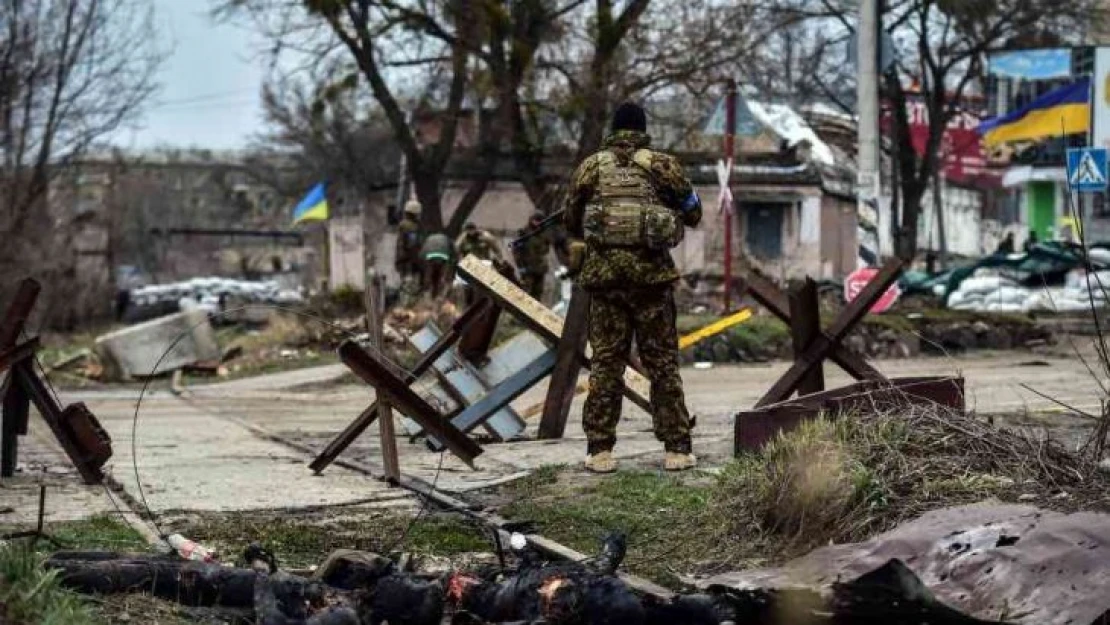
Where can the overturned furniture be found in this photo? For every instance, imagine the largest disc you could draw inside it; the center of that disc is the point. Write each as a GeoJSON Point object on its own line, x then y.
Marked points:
{"type": "Point", "coordinates": [475, 385]}
{"type": "Point", "coordinates": [775, 412]}
{"type": "Point", "coordinates": [77, 430]}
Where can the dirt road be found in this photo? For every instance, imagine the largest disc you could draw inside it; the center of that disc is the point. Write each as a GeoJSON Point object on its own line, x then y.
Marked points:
{"type": "Point", "coordinates": [203, 451]}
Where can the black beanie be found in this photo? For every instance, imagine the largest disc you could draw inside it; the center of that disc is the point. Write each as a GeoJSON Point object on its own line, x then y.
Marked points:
{"type": "Point", "coordinates": [629, 116]}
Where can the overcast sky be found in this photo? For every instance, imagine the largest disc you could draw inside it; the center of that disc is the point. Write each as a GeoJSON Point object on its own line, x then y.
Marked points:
{"type": "Point", "coordinates": [210, 83]}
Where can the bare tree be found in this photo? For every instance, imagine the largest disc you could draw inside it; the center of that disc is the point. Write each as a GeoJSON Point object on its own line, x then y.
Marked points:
{"type": "Point", "coordinates": [665, 52]}
{"type": "Point", "coordinates": [411, 56]}
{"type": "Point", "coordinates": [71, 73]}
{"type": "Point", "coordinates": [942, 46]}
{"type": "Point", "coordinates": [314, 133]}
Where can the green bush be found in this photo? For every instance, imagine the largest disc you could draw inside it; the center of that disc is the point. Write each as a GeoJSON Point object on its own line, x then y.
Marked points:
{"type": "Point", "coordinates": [30, 595]}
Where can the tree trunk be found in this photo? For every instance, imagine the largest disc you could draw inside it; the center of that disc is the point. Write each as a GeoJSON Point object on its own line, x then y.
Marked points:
{"type": "Point", "coordinates": [938, 206]}
{"type": "Point", "coordinates": [427, 187]}
{"type": "Point", "coordinates": [905, 246]}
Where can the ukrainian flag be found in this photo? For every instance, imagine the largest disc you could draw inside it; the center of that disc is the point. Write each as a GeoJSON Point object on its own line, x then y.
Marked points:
{"type": "Point", "coordinates": [314, 206]}
{"type": "Point", "coordinates": [1065, 111]}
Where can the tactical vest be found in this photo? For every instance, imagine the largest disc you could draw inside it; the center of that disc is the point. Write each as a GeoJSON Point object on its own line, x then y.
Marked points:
{"type": "Point", "coordinates": [627, 211]}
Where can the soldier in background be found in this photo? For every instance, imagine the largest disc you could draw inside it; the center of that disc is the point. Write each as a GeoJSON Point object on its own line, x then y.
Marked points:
{"type": "Point", "coordinates": [531, 257]}
{"type": "Point", "coordinates": [437, 256]}
{"type": "Point", "coordinates": [407, 255]}
{"type": "Point", "coordinates": [628, 205]}
{"type": "Point", "coordinates": [482, 245]}
{"type": "Point", "coordinates": [477, 242]}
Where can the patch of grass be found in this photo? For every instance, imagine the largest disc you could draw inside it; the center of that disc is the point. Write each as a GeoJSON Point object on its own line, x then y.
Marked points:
{"type": "Point", "coordinates": [30, 595]}
{"type": "Point", "coordinates": [659, 512]}
{"type": "Point", "coordinates": [103, 531]}
{"type": "Point", "coordinates": [805, 489]}
{"type": "Point", "coordinates": [307, 539]}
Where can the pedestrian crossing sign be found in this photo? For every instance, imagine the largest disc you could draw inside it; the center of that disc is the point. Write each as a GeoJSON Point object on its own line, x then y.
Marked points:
{"type": "Point", "coordinates": [1087, 169]}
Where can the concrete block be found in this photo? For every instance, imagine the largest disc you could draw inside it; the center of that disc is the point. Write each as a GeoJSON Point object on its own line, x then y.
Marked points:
{"type": "Point", "coordinates": [137, 350]}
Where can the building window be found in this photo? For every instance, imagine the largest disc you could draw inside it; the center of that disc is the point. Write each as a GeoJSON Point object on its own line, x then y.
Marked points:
{"type": "Point", "coordinates": [1099, 206]}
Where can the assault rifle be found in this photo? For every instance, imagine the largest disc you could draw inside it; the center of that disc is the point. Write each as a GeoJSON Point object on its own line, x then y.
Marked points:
{"type": "Point", "coordinates": [547, 223]}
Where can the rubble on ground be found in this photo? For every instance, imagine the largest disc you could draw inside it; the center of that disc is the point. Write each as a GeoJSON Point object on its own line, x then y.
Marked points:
{"type": "Point", "coordinates": [159, 346]}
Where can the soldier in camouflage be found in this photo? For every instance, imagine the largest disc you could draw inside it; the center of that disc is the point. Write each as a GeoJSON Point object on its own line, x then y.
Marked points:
{"type": "Point", "coordinates": [406, 257]}
{"type": "Point", "coordinates": [477, 242]}
{"type": "Point", "coordinates": [437, 256]}
{"type": "Point", "coordinates": [531, 257]}
{"type": "Point", "coordinates": [612, 195]}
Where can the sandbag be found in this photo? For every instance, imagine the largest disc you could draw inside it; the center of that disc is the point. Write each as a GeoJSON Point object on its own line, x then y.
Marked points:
{"type": "Point", "coordinates": [1099, 256]}
{"type": "Point", "coordinates": [1007, 295]}
{"type": "Point", "coordinates": [985, 284]}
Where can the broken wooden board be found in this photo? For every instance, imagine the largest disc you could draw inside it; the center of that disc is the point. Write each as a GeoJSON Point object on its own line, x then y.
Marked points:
{"type": "Point", "coordinates": [539, 318]}
{"type": "Point", "coordinates": [472, 384]}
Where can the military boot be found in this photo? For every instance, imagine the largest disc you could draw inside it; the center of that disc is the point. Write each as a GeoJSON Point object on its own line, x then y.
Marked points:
{"type": "Point", "coordinates": [601, 462]}
{"type": "Point", "coordinates": [679, 462]}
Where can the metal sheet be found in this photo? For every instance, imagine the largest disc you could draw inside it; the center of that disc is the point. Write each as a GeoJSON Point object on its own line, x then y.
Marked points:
{"type": "Point", "coordinates": [1032, 566]}
{"type": "Point", "coordinates": [501, 395]}
{"type": "Point", "coordinates": [505, 423]}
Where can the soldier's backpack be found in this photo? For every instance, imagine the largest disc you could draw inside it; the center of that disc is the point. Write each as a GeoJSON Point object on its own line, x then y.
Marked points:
{"type": "Point", "coordinates": [627, 212]}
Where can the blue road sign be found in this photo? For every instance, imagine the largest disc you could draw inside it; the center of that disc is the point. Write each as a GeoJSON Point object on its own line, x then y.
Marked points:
{"type": "Point", "coordinates": [1087, 169]}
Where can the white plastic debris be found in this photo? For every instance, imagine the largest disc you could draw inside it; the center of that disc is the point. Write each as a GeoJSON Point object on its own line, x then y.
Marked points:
{"type": "Point", "coordinates": [517, 541]}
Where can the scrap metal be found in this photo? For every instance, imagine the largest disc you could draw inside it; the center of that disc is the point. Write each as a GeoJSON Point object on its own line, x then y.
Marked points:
{"type": "Point", "coordinates": [367, 417]}
{"type": "Point", "coordinates": [755, 428]}
{"type": "Point", "coordinates": [76, 429]}
{"type": "Point", "coordinates": [990, 561]}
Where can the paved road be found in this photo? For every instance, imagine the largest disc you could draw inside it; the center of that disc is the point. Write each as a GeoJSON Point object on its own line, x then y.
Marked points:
{"type": "Point", "coordinates": [203, 452]}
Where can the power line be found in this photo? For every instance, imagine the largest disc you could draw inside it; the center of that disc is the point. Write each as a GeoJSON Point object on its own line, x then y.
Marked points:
{"type": "Point", "coordinates": [215, 95]}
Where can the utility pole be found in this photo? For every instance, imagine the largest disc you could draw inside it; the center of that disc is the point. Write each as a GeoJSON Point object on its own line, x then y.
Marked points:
{"type": "Point", "coordinates": [730, 150]}
{"type": "Point", "coordinates": [868, 181]}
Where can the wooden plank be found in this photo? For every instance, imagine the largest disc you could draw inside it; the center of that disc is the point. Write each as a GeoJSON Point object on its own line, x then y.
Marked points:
{"type": "Point", "coordinates": [500, 396]}
{"type": "Point", "coordinates": [540, 319]}
{"type": "Point", "coordinates": [805, 327]}
{"type": "Point", "coordinates": [475, 343]}
{"type": "Point", "coordinates": [18, 311]}
{"type": "Point", "coordinates": [12, 355]}
{"type": "Point", "coordinates": [564, 379]}
{"type": "Point", "coordinates": [397, 391]}
{"type": "Point", "coordinates": [16, 405]}
{"type": "Point", "coordinates": [825, 343]}
{"type": "Point", "coordinates": [769, 296]}
{"type": "Point", "coordinates": [367, 417]}
{"type": "Point", "coordinates": [387, 433]}
{"type": "Point", "coordinates": [52, 414]}
{"type": "Point", "coordinates": [715, 328]}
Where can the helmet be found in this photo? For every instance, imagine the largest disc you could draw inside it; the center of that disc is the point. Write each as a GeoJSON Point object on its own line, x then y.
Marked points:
{"type": "Point", "coordinates": [412, 207]}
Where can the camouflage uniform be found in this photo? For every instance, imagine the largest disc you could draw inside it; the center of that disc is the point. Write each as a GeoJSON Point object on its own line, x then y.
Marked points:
{"type": "Point", "coordinates": [482, 245]}
{"type": "Point", "coordinates": [437, 256]}
{"type": "Point", "coordinates": [407, 258]}
{"type": "Point", "coordinates": [531, 261]}
{"type": "Point", "coordinates": [479, 243]}
{"type": "Point", "coordinates": [632, 297]}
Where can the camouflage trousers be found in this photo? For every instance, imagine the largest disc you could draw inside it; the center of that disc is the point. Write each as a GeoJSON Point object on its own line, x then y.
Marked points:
{"type": "Point", "coordinates": [533, 284]}
{"type": "Point", "coordinates": [617, 317]}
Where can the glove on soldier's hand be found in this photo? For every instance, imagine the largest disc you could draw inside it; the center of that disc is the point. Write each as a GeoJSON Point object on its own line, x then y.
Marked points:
{"type": "Point", "coordinates": [577, 255]}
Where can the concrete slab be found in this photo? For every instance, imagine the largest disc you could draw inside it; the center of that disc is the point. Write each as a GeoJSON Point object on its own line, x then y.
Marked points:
{"type": "Point", "coordinates": [159, 345]}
